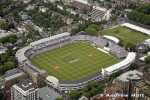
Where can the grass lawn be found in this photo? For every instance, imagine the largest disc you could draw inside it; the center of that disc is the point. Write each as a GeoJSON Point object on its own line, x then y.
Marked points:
{"type": "Point", "coordinates": [126, 34]}
{"type": "Point", "coordinates": [73, 61]}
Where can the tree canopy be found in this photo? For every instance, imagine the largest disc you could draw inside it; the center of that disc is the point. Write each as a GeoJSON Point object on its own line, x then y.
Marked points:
{"type": "Point", "coordinates": [141, 14]}
{"type": "Point", "coordinates": [134, 66]}
{"type": "Point", "coordinates": [74, 95]}
{"type": "Point", "coordinates": [42, 83]}
{"type": "Point", "coordinates": [92, 29]}
{"type": "Point", "coordinates": [147, 59]}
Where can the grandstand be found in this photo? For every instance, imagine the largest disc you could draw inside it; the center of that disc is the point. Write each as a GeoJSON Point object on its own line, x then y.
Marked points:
{"type": "Point", "coordinates": [23, 55]}
{"type": "Point", "coordinates": [99, 14]}
{"type": "Point", "coordinates": [137, 28]}
{"type": "Point", "coordinates": [121, 65]}
{"type": "Point", "coordinates": [73, 85]}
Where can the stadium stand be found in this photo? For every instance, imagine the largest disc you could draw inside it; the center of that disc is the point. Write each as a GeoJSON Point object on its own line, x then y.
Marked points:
{"type": "Point", "coordinates": [121, 65]}
{"type": "Point", "coordinates": [23, 55]}
{"type": "Point", "coordinates": [137, 28]}
{"type": "Point", "coordinates": [73, 85]}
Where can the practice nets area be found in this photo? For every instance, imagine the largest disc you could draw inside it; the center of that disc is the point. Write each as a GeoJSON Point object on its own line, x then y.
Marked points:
{"type": "Point", "coordinates": [73, 61]}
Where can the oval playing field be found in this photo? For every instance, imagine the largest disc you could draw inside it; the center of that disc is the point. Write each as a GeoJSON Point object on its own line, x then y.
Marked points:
{"type": "Point", "coordinates": [73, 61]}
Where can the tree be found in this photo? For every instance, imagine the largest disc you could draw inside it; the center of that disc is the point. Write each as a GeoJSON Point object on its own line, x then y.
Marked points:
{"type": "Point", "coordinates": [1, 95]}
{"type": "Point", "coordinates": [36, 32]}
{"type": "Point", "coordinates": [4, 26]}
{"type": "Point", "coordinates": [90, 31]}
{"type": "Point", "coordinates": [24, 38]}
{"type": "Point", "coordinates": [4, 57]}
{"type": "Point", "coordinates": [146, 68]}
{"type": "Point", "coordinates": [9, 65]}
{"type": "Point", "coordinates": [1, 13]}
{"type": "Point", "coordinates": [59, 99]}
{"type": "Point", "coordinates": [131, 46]}
{"type": "Point", "coordinates": [101, 87]}
{"type": "Point", "coordinates": [15, 13]}
{"type": "Point", "coordinates": [84, 10]}
{"type": "Point", "coordinates": [94, 26]}
{"type": "Point", "coordinates": [12, 40]}
{"type": "Point", "coordinates": [11, 58]}
{"type": "Point", "coordinates": [86, 94]}
{"type": "Point", "coordinates": [147, 60]}
{"type": "Point", "coordinates": [29, 35]}
{"type": "Point", "coordinates": [11, 25]}
{"type": "Point", "coordinates": [92, 84]}
{"type": "Point", "coordinates": [74, 95]}
{"type": "Point", "coordinates": [113, 18]}
{"type": "Point", "coordinates": [42, 83]}
{"type": "Point", "coordinates": [93, 92]}
{"type": "Point", "coordinates": [85, 89]}
{"type": "Point", "coordinates": [134, 66]}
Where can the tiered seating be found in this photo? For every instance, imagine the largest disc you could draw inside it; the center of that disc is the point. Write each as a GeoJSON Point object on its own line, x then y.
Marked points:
{"type": "Point", "coordinates": [97, 14]}
{"type": "Point", "coordinates": [96, 40]}
{"type": "Point", "coordinates": [118, 51]}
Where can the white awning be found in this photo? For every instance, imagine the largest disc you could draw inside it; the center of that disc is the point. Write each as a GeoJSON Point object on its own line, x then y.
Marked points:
{"type": "Point", "coordinates": [112, 38]}
{"type": "Point", "coordinates": [140, 29]}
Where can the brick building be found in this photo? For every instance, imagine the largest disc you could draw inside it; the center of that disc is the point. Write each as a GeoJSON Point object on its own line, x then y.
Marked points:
{"type": "Point", "coordinates": [80, 4]}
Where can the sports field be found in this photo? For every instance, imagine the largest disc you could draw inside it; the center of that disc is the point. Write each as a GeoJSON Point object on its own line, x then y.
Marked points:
{"type": "Point", "coordinates": [73, 61]}
{"type": "Point", "coordinates": [126, 34]}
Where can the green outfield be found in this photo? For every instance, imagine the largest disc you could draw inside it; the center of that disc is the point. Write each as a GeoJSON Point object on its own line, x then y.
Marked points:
{"type": "Point", "coordinates": [126, 34]}
{"type": "Point", "coordinates": [73, 61]}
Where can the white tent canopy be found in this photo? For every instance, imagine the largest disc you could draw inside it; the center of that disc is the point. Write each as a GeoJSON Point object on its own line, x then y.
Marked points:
{"type": "Point", "coordinates": [140, 29]}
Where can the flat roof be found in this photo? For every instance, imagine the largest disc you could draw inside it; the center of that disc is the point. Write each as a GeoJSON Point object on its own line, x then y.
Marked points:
{"type": "Point", "coordinates": [112, 38]}
{"type": "Point", "coordinates": [130, 57]}
{"type": "Point", "coordinates": [133, 74]}
{"type": "Point", "coordinates": [49, 38]}
{"type": "Point", "coordinates": [46, 93]}
{"type": "Point", "coordinates": [13, 76]}
{"type": "Point", "coordinates": [140, 29]}
{"type": "Point", "coordinates": [26, 85]}
{"type": "Point", "coordinates": [20, 53]}
{"type": "Point", "coordinates": [81, 80]}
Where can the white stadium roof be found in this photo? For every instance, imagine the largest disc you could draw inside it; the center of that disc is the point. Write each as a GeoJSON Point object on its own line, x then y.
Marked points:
{"type": "Point", "coordinates": [49, 38]}
{"type": "Point", "coordinates": [129, 59]}
{"type": "Point", "coordinates": [112, 38]}
{"type": "Point", "coordinates": [140, 29]}
{"type": "Point", "coordinates": [20, 54]}
{"type": "Point", "coordinates": [52, 79]}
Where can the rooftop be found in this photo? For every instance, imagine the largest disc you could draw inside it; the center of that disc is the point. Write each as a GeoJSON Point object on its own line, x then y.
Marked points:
{"type": "Point", "coordinates": [142, 86]}
{"type": "Point", "coordinates": [130, 57]}
{"type": "Point", "coordinates": [130, 75]}
{"type": "Point", "coordinates": [12, 74]}
{"type": "Point", "coordinates": [26, 85]}
{"type": "Point", "coordinates": [46, 93]}
{"type": "Point", "coordinates": [140, 29]}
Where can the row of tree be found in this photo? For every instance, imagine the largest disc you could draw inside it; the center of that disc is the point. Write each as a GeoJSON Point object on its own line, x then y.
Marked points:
{"type": "Point", "coordinates": [141, 14]}
{"type": "Point", "coordinates": [9, 39]}
{"type": "Point", "coordinates": [6, 26]}
{"type": "Point", "coordinates": [7, 61]}
{"type": "Point", "coordinates": [91, 90]}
